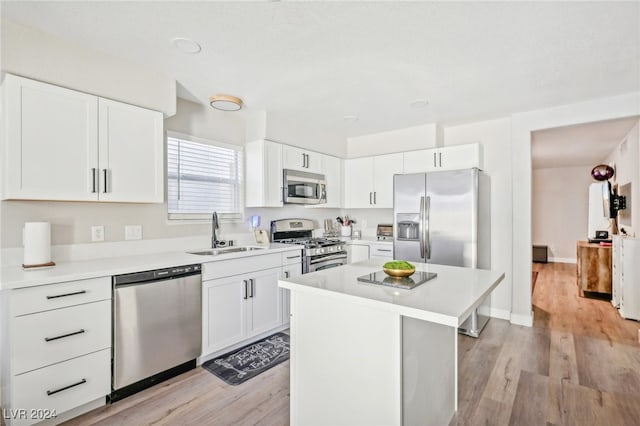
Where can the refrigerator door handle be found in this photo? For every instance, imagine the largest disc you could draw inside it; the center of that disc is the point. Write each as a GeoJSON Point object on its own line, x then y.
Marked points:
{"type": "Point", "coordinates": [427, 237]}
{"type": "Point", "coordinates": [421, 227]}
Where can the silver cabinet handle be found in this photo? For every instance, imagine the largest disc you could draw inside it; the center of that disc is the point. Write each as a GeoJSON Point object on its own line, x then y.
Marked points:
{"type": "Point", "coordinates": [105, 180]}
{"type": "Point", "coordinates": [427, 236]}
{"type": "Point", "coordinates": [75, 293]}
{"type": "Point", "coordinates": [384, 250]}
{"type": "Point", "coordinates": [252, 286]}
{"type": "Point", "coordinates": [434, 160]}
{"type": "Point", "coordinates": [440, 158]}
{"type": "Point", "coordinates": [370, 198]}
{"type": "Point", "coordinates": [51, 392]}
{"type": "Point", "coordinates": [62, 336]}
{"type": "Point", "coordinates": [303, 160]}
{"type": "Point", "coordinates": [286, 274]}
{"type": "Point", "coordinates": [293, 257]}
{"type": "Point", "coordinates": [421, 225]}
{"type": "Point", "coordinates": [93, 180]}
{"type": "Point", "coordinates": [282, 194]}
{"type": "Point", "coordinates": [375, 201]}
{"type": "Point", "coordinates": [245, 289]}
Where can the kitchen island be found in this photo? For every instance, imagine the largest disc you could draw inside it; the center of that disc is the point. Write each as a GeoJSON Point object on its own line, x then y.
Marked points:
{"type": "Point", "coordinates": [370, 354]}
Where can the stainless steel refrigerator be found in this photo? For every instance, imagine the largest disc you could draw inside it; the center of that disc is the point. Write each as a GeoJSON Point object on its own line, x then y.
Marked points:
{"type": "Point", "coordinates": [444, 218]}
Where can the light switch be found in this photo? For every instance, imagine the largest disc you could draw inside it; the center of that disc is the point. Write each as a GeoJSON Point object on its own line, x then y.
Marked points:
{"type": "Point", "coordinates": [133, 232]}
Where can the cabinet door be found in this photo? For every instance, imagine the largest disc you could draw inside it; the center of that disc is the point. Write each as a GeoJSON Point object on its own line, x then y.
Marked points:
{"type": "Point", "coordinates": [358, 183]}
{"type": "Point", "coordinates": [458, 157]}
{"type": "Point", "coordinates": [266, 303]}
{"type": "Point", "coordinates": [300, 159]}
{"type": "Point", "coordinates": [289, 271]}
{"type": "Point", "coordinates": [131, 153]}
{"type": "Point", "coordinates": [384, 167]}
{"type": "Point", "coordinates": [332, 170]}
{"type": "Point", "coordinates": [357, 252]}
{"type": "Point", "coordinates": [263, 171]}
{"type": "Point", "coordinates": [421, 161]}
{"type": "Point", "coordinates": [51, 147]}
{"type": "Point", "coordinates": [379, 251]}
{"type": "Point", "coordinates": [223, 313]}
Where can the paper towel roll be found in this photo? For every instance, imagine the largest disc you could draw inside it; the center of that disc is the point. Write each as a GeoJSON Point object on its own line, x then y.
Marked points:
{"type": "Point", "coordinates": [36, 239]}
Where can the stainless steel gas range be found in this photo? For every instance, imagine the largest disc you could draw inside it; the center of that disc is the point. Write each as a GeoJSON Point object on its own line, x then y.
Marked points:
{"type": "Point", "coordinates": [319, 253]}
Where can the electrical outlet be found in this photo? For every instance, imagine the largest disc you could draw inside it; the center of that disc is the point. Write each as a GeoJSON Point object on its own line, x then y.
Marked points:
{"type": "Point", "coordinates": [133, 232]}
{"type": "Point", "coordinates": [97, 233]}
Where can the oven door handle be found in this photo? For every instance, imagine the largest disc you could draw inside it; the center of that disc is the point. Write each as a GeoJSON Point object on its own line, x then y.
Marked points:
{"type": "Point", "coordinates": [326, 258]}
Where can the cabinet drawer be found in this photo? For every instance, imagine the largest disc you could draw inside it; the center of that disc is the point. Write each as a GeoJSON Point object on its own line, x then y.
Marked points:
{"type": "Point", "coordinates": [77, 381]}
{"type": "Point", "coordinates": [227, 268]}
{"type": "Point", "coordinates": [45, 338]}
{"type": "Point", "coordinates": [54, 296]}
{"type": "Point", "coordinates": [291, 257]}
{"type": "Point", "coordinates": [382, 250]}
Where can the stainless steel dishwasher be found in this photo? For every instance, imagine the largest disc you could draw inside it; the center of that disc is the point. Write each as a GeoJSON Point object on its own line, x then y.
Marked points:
{"type": "Point", "coordinates": [157, 327]}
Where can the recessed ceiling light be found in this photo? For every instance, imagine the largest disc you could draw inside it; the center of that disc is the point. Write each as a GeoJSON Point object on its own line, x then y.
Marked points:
{"type": "Point", "coordinates": [419, 103]}
{"type": "Point", "coordinates": [225, 102]}
{"type": "Point", "coordinates": [350, 118]}
{"type": "Point", "coordinates": [186, 45]}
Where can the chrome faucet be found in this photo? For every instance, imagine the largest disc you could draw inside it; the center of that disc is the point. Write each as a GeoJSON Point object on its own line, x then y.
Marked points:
{"type": "Point", "coordinates": [214, 226]}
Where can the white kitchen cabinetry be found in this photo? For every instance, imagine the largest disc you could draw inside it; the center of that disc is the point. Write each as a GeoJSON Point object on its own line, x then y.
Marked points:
{"type": "Point", "coordinates": [332, 171]}
{"type": "Point", "coordinates": [61, 145]}
{"type": "Point", "coordinates": [59, 346]}
{"type": "Point", "coordinates": [381, 251]}
{"type": "Point", "coordinates": [453, 157]}
{"type": "Point", "coordinates": [357, 252]}
{"type": "Point", "coordinates": [131, 153]}
{"type": "Point", "coordinates": [237, 307]}
{"type": "Point", "coordinates": [299, 159]}
{"type": "Point", "coordinates": [263, 171]}
{"type": "Point", "coordinates": [369, 180]}
{"type": "Point", "coordinates": [291, 267]}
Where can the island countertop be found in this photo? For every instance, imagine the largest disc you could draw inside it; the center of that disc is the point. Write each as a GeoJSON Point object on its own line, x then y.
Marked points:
{"type": "Point", "coordinates": [448, 299]}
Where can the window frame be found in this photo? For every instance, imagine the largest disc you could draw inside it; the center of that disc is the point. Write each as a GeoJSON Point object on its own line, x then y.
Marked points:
{"type": "Point", "coordinates": [196, 218]}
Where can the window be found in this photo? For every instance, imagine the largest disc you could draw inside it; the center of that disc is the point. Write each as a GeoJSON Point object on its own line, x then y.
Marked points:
{"type": "Point", "coordinates": [203, 177]}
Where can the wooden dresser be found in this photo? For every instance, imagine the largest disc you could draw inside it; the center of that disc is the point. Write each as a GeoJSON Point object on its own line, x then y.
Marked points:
{"type": "Point", "coordinates": [594, 268]}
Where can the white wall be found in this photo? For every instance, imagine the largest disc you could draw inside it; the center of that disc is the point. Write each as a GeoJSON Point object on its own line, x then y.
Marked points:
{"type": "Point", "coordinates": [408, 139]}
{"type": "Point", "coordinates": [560, 209]}
{"type": "Point", "coordinates": [34, 54]}
{"type": "Point", "coordinates": [626, 157]}
{"type": "Point", "coordinates": [522, 125]}
{"type": "Point", "coordinates": [495, 137]}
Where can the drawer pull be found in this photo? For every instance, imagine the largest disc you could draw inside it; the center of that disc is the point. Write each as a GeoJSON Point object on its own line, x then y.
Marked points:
{"type": "Point", "coordinates": [49, 393]}
{"type": "Point", "coordinates": [67, 294]}
{"type": "Point", "coordinates": [384, 249]}
{"type": "Point", "coordinates": [49, 339]}
{"type": "Point", "coordinates": [293, 257]}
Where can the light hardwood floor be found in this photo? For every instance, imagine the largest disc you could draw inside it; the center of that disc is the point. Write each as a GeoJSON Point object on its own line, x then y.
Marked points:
{"type": "Point", "coordinates": [578, 365]}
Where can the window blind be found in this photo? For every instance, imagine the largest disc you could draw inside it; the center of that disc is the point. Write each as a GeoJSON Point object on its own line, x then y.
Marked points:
{"type": "Point", "coordinates": [203, 178]}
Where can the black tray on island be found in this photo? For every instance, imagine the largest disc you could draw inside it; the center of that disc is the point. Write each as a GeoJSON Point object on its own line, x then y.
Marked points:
{"type": "Point", "coordinates": [412, 281]}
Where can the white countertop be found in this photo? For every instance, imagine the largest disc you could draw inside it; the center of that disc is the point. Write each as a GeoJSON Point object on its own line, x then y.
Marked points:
{"type": "Point", "coordinates": [367, 240]}
{"type": "Point", "coordinates": [447, 299]}
{"type": "Point", "coordinates": [14, 277]}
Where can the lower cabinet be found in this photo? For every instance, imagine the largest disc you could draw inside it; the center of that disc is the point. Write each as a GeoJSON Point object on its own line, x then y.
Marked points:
{"type": "Point", "coordinates": [381, 251]}
{"type": "Point", "coordinates": [239, 307]}
{"type": "Point", "coordinates": [288, 271]}
{"type": "Point", "coordinates": [357, 252]}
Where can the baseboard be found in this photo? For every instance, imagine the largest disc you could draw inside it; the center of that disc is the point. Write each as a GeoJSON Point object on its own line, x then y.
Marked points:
{"type": "Point", "coordinates": [500, 314]}
{"type": "Point", "coordinates": [526, 320]}
{"type": "Point", "coordinates": [562, 259]}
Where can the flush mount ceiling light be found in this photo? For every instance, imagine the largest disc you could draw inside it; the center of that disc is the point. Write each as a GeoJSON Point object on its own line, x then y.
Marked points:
{"type": "Point", "coordinates": [225, 102]}
{"type": "Point", "coordinates": [186, 45]}
{"type": "Point", "coordinates": [418, 103]}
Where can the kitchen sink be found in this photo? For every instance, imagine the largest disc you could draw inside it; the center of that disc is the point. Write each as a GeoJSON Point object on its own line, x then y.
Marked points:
{"type": "Point", "coordinates": [226, 250]}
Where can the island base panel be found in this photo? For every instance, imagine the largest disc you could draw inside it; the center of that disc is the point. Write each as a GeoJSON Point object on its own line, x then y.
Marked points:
{"type": "Point", "coordinates": [345, 363]}
{"type": "Point", "coordinates": [429, 365]}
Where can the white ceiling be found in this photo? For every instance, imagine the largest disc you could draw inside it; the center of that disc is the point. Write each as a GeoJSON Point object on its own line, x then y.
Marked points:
{"type": "Point", "coordinates": [308, 64]}
{"type": "Point", "coordinates": [582, 145]}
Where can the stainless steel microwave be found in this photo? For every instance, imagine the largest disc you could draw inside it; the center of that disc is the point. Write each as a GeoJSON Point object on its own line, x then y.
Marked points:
{"type": "Point", "coordinates": [304, 187]}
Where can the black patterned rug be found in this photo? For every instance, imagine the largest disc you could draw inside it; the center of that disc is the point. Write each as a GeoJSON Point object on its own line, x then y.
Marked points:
{"type": "Point", "coordinates": [242, 364]}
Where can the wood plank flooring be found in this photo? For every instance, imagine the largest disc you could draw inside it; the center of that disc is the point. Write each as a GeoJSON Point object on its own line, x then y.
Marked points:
{"type": "Point", "coordinates": [578, 365]}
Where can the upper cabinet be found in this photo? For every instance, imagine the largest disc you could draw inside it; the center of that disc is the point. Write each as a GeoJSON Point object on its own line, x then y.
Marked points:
{"type": "Point", "coordinates": [447, 158]}
{"type": "Point", "coordinates": [263, 166]}
{"type": "Point", "coordinates": [299, 159]}
{"type": "Point", "coordinates": [369, 180]}
{"type": "Point", "coordinates": [332, 171]}
{"type": "Point", "coordinates": [66, 145]}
